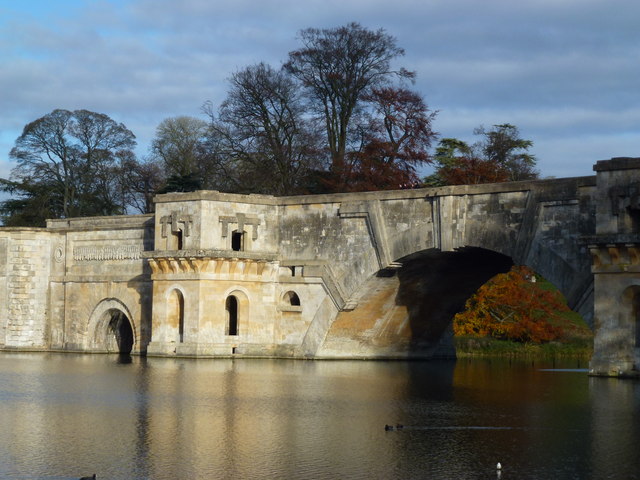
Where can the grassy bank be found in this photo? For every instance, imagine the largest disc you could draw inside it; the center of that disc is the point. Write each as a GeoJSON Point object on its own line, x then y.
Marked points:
{"type": "Point", "coordinates": [490, 347]}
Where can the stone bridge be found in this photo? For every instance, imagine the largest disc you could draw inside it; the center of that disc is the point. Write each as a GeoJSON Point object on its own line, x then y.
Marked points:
{"type": "Point", "coordinates": [361, 275]}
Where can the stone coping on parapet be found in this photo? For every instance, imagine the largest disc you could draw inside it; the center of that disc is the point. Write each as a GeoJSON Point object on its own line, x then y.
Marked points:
{"type": "Point", "coordinates": [211, 253]}
{"type": "Point", "coordinates": [121, 222]}
{"type": "Point", "coordinates": [617, 163]}
{"type": "Point", "coordinates": [115, 222]}
{"type": "Point", "coordinates": [216, 196]}
{"type": "Point", "coordinates": [561, 184]}
{"type": "Point", "coordinates": [23, 229]}
{"type": "Point", "coordinates": [504, 187]}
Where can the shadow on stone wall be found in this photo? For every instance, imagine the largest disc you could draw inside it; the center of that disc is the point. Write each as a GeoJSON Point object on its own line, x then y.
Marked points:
{"type": "Point", "coordinates": [435, 285]}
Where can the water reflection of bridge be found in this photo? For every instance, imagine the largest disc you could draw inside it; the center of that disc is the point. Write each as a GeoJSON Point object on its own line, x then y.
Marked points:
{"type": "Point", "coordinates": [179, 418]}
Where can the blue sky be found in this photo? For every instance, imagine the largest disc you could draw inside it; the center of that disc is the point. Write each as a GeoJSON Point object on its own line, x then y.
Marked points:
{"type": "Point", "coordinates": [566, 72]}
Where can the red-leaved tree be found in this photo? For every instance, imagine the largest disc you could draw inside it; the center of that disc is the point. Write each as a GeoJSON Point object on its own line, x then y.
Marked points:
{"type": "Point", "coordinates": [512, 307]}
{"type": "Point", "coordinates": [395, 142]}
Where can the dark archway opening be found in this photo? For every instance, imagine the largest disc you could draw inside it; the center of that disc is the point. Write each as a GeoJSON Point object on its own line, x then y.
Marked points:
{"type": "Point", "coordinates": [231, 306]}
{"type": "Point", "coordinates": [120, 332]}
{"type": "Point", "coordinates": [292, 298]}
{"type": "Point", "coordinates": [175, 312]}
{"type": "Point", "coordinates": [435, 285]}
{"type": "Point", "coordinates": [180, 317]}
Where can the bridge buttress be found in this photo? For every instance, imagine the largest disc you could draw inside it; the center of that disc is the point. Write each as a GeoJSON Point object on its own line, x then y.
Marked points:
{"type": "Point", "coordinates": [615, 263]}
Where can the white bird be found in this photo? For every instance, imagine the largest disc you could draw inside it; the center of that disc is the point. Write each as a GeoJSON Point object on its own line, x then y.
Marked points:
{"type": "Point", "coordinates": [498, 466]}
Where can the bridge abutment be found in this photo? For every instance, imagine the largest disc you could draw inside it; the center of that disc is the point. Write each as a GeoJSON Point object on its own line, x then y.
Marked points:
{"type": "Point", "coordinates": [615, 254]}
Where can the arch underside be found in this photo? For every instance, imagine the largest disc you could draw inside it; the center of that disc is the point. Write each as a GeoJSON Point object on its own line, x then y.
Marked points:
{"type": "Point", "coordinates": [407, 311]}
{"type": "Point", "coordinates": [119, 334]}
{"type": "Point", "coordinates": [111, 329]}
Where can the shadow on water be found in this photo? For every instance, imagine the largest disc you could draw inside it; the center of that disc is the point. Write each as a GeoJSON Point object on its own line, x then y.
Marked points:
{"type": "Point", "coordinates": [124, 358]}
{"type": "Point", "coordinates": [435, 285]}
{"type": "Point", "coordinates": [431, 380]}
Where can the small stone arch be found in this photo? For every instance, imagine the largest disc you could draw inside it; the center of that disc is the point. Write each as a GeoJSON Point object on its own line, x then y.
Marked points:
{"type": "Point", "coordinates": [111, 328]}
{"type": "Point", "coordinates": [290, 302]}
{"type": "Point", "coordinates": [291, 299]}
{"type": "Point", "coordinates": [236, 308]}
{"type": "Point", "coordinates": [175, 312]}
{"type": "Point", "coordinates": [231, 309]}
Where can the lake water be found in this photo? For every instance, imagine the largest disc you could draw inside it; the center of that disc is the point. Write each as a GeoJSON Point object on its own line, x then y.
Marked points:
{"type": "Point", "coordinates": [63, 416]}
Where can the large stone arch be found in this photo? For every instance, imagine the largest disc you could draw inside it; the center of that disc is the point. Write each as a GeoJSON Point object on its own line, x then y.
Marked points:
{"type": "Point", "coordinates": [540, 224]}
{"type": "Point", "coordinates": [406, 310]}
{"type": "Point", "coordinates": [111, 328]}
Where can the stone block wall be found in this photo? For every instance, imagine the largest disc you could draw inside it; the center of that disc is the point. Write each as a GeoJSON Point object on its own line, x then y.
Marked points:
{"type": "Point", "coordinates": [25, 266]}
{"type": "Point", "coordinates": [99, 260]}
{"type": "Point", "coordinates": [4, 249]}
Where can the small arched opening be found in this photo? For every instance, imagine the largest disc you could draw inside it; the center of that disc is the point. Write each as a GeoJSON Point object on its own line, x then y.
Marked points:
{"type": "Point", "coordinates": [175, 312]}
{"type": "Point", "coordinates": [231, 309]}
{"type": "Point", "coordinates": [291, 299]}
{"type": "Point", "coordinates": [111, 328]}
{"type": "Point", "coordinates": [119, 332]}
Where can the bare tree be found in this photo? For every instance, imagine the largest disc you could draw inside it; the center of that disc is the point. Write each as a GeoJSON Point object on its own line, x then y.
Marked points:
{"type": "Point", "coordinates": [337, 67]}
{"type": "Point", "coordinates": [262, 127]}
{"type": "Point", "coordinates": [72, 152]}
{"type": "Point", "coordinates": [179, 144]}
{"type": "Point", "coordinates": [138, 182]}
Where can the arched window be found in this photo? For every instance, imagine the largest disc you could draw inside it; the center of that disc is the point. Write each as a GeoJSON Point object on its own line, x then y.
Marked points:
{"type": "Point", "coordinates": [291, 298]}
{"type": "Point", "coordinates": [231, 307]}
{"type": "Point", "coordinates": [175, 312]}
{"type": "Point", "coordinates": [290, 302]}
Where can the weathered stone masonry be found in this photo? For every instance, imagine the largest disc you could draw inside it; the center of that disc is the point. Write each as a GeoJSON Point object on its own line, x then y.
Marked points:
{"type": "Point", "coordinates": [365, 275]}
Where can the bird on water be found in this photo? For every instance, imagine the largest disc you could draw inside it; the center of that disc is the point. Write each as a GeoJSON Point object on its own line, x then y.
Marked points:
{"type": "Point", "coordinates": [92, 477]}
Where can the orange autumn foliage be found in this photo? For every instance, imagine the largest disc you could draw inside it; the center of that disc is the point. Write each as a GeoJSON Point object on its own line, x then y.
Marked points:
{"type": "Point", "coordinates": [512, 307]}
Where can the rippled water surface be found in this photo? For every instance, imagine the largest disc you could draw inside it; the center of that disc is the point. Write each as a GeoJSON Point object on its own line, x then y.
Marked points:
{"type": "Point", "coordinates": [65, 416]}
